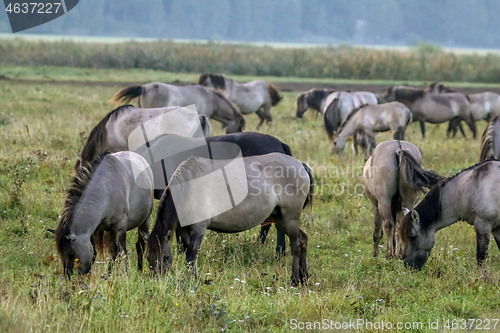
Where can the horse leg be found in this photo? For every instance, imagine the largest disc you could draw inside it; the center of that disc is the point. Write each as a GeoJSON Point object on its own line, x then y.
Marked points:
{"type": "Point", "coordinates": [280, 240]}
{"type": "Point", "coordinates": [370, 143]}
{"type": "Point", "coordinates": [267, 112]}
{"type": "Point", "coordinates": [355, 144]}
{"type": "Point", "coordinates": [378, 232]}
{"type": "Point", "coordinates": [483, 232]}
{"type": "Point", "coordinates": [140, 245]}
{"type": "Point", "coordinates": [472, 126]}
{"type": "Point", "coordinates": [264, 230]}
{"type": "Point", "coordinates": [496, 235]}
{"type": "Point", "coordinates": [181, 245]}
{"type": "Point", "coordinates": [290, 227]}
{"type": "Point", "coordinates": [195, 238]}
{"type": "Point", "coordinates": [386, 213]}
{"type": "Point", "coordinates": [303, 272]}
{"type": "Point", "coordinates": [422, 128]}
{"type": "Point", "coordinates": [262, 117]}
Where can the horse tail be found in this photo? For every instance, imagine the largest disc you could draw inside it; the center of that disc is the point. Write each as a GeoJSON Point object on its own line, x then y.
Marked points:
{"type": "Point", "coordinates": [165, 225]}
{"type": "Point", "coordinates": [410, 118]}
{"type": "Point", "coordinates": [413, 175]}
{"type": "Point", "coordinates": [205, 125]}
{"type": "Point", "coordinates": [487, 141]}
{"type": "Point", "coordinates": [287, 149]}
{"type": "Point", "coordinates": [472, 125]}
{"type": "Point", "coordinates": [332, 117]}
{"type": "Point", "coordinates": [309, 198]}
{"type": "Point", "coordinates": [127, 94]}
{"type": "Point", "coordinates": [274, 93]}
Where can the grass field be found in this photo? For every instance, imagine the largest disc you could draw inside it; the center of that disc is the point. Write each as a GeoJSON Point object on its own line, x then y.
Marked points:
{"type": "Point", "coordinates": [242, 288]}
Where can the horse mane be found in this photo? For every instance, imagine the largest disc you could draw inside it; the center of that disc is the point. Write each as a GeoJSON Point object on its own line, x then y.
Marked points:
{"type": "Point", "coordinates": [218, 81]}
{"type": "Point", "coordinates": [237, 113]}
{"type": "Point", "coordinates": [97, 136]}
{"type": "Point", "coordinates": [487, 140]}
{"type": "Point", "coordinates": [316, 95]}
{"type": "Point", "coordinates": [73, 195]}
{"type": "Point", "coordinates": [429, 209]}
{"type": "Point", "coordinates": [408, 93]}
{"type": "Point", "coordinates": [349, 116]}
{"type": "Point", "coordinates": [440, 87]}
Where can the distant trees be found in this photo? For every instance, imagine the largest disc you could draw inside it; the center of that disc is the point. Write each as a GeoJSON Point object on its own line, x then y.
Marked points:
{"type": "Point", "coordinates": [448, 22]}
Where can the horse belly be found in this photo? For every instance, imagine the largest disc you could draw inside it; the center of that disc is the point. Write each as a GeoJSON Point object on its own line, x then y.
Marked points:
{"type": "Point", "coordinates": [246, 215]}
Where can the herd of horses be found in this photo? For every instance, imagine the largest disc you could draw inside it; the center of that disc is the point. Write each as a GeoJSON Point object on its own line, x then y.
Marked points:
{"type": "Point", "coordinates": [115, 185]}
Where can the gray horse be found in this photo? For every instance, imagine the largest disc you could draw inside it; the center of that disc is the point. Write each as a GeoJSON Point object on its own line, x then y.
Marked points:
{"type": "Point", "coordinates": [212, 103]}
{"type": "Point", "coordinates": [255, 96]}
{"type": "Point", "coordinates": [472, 196]}
{"type": "Point", "coordinates": [483, 106]}
{"type": "Point", "coordinates": [314, 99]}
{"type": "Point", "coordinates": [368, 119]}
{"type": "Point", "coordinates": [394, 178]}
{"type": "Point", "coordinates": [113, 194]}
{"type": "Point", "coordinates": [113, 131]}
{"type": "Point", "coordinates": [490, 141]}
{"type": "Point", "coordinates": [433, 108]}
{"type": "Point", "coordinates": [278, 186]}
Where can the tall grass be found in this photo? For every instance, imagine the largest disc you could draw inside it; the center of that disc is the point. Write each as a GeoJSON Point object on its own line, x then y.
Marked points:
{"type": "Point", "coordinates": [46, 124]}
{"type": "Point", "coordinates": [424, 62]}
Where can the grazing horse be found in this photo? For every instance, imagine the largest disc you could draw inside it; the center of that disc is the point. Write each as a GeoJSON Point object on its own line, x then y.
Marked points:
{"type": "Point", "coordinates": [483, 106]}
{"type": "Point", "coordinates": [212, 103]}
{"type": "Point", "coordinates": [472, 196]}
{"type": "Point", "coordinates": [267, 178]}
{"type": "Point", "coordinates": [433, 108]}
{"type": "Point", "coordinates": [254, 96]}
{"type": "Point", "coordinates": [338, 105]}
{"type": "Point", "coordinates": [112, 132]}
{"type": "Point", "coordinates": [113, 194]}
{"type": "Point", "coordinates": [314, 99]}
{"type": "Point", "coordinates": [249, 143]}
{"type": "Point", "coordinates": [394, 178]}
{"type": "Point", "coordinates": [490, 142]}
{"type": "Point", "coordinates": [368, 119]}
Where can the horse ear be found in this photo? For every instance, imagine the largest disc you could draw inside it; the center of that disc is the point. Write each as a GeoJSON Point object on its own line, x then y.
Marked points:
{"type": "Point", "coordinates": [168, 237]}
{"type": "Point", "coordinates": [415, 217]}
{"type": "Point", "coordinates": [405, 210]}
{"type": "Point", "coordinates": [71, 237]}
{"type": "Point", "coordinates": [79, 156]}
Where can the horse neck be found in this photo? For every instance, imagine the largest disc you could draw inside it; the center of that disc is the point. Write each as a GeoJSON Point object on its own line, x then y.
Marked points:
{"type": "Point", "coordinates": [347, 131]}
{"type": "Point", "coordinates": [90, 210]}
{"type": "Point", "coordinates": [451, 211]}
{"type": "Point", "coordinates": [222, 111]}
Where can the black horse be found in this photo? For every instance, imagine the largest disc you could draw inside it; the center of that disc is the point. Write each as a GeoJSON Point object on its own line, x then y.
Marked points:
{"type": "Point", "coordinates": [249, 143]}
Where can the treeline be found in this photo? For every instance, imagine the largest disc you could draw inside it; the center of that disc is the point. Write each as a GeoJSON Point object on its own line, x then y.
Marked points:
{"type": "Point", "coordinates": [472, 23]}
{"type": "Point", "coordinates": [423, 62]}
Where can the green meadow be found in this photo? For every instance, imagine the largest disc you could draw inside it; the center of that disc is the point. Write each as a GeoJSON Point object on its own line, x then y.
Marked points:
{"type": "Point", "coordinates": [242, 286]}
